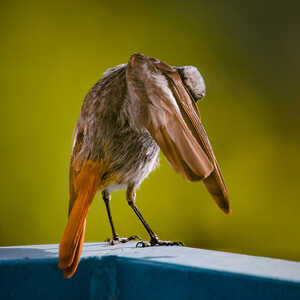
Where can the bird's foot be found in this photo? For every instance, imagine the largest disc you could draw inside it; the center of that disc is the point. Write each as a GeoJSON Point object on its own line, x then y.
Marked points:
{"type": "Point", "coordinates": [120, 240]}
{"type": "Point", "coordinates": [155, 241]}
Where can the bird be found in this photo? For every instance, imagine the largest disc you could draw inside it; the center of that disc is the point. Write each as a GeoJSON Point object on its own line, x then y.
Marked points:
{"type": "Point", "coordinates": [134, 111]}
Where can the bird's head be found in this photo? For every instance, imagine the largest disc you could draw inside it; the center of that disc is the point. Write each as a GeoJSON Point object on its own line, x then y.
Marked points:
{"type": "Point", "coordinates": [193, 81]}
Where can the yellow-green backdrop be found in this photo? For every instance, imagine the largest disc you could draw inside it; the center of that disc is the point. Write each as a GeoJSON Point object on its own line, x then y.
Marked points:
{"type": "Point", "coordinates": [51, 54]}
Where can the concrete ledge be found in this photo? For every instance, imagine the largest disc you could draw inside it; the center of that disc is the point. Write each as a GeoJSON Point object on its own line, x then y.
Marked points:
{"type": "Point", "coordinates": [126, 272]}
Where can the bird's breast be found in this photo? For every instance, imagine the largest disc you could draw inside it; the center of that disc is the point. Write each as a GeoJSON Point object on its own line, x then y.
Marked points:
{"type": "Point", "coordinates": [135, 159]}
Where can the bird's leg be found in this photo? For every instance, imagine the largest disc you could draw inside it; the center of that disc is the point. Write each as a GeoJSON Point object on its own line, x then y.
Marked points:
{"type": "Point", "coordinates": [115, 237]}
{"type": "Point", "coordinates": [154, 240]}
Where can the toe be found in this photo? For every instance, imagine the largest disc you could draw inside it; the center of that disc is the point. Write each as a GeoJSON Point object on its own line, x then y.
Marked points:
{"type": "Point", "coordinates": [143, 244]}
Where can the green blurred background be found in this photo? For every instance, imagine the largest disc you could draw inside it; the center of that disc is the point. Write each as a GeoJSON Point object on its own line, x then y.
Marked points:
{"type": "Point", "coordinates": [51, 54]}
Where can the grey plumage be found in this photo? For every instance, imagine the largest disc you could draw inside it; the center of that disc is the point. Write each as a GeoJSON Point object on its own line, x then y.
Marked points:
{"type": "Point", "coordinates": [111, 134]}
{"type": "Point", "coordinates": [193, 81]}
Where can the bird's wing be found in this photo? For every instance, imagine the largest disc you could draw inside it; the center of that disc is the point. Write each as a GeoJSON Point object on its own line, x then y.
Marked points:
{"type": "Point", "coordinates": [214, 182]}
{"type": "Point", "coordinates": [161, 115]}
{"type": "Point", "coordinates": [172, 118]}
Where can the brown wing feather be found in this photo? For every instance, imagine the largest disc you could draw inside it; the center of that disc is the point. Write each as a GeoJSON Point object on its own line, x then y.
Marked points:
{"type": "Point", "coordinates": [165, 123]}
{"type": "Point", "coordinates": [176, 128]}
{"type": "Point", "coordinates": [214, 182]}
{"type": "Point", "coordinates": [179, 146]}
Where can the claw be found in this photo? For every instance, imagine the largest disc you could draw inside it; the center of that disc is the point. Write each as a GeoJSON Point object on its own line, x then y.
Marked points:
{"type": "Point", "coordinates": [157, 242]}
{"type": "Point", "coordinates": [143, 244]}
{"type": "Point", "coordinates": [119, 240]}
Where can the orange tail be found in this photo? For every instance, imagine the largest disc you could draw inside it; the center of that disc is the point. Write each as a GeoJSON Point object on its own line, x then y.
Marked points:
{"type": "Point", "coordinates": [69, 271]}
{"type": "Point", "coordinates": [86, 183]}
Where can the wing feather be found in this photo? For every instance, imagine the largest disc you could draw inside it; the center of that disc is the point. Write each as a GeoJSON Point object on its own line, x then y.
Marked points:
{"type": "Point", "coordinates": [214, 182]}
{"type": "Point", "coordinates": [173, 120]}
{"type": "Point", "coordinates": [164, 121]}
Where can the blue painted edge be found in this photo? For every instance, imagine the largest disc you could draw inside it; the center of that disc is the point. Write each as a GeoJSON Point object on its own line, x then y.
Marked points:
{"type": "Point", "coordinates": [115, 259]}
{"type": "Point", "coordinates": [119, 259]}
{"type": "Point", "coordinates": [190, 257]}
{"type": "Point", "coordinates": [124, 276]}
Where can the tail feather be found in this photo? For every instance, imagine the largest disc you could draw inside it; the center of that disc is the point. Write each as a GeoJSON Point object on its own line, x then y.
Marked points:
{"type": "Point", "coordinates": [87, 183]}
{"type": "Point", "coordinates": [69, 271]}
